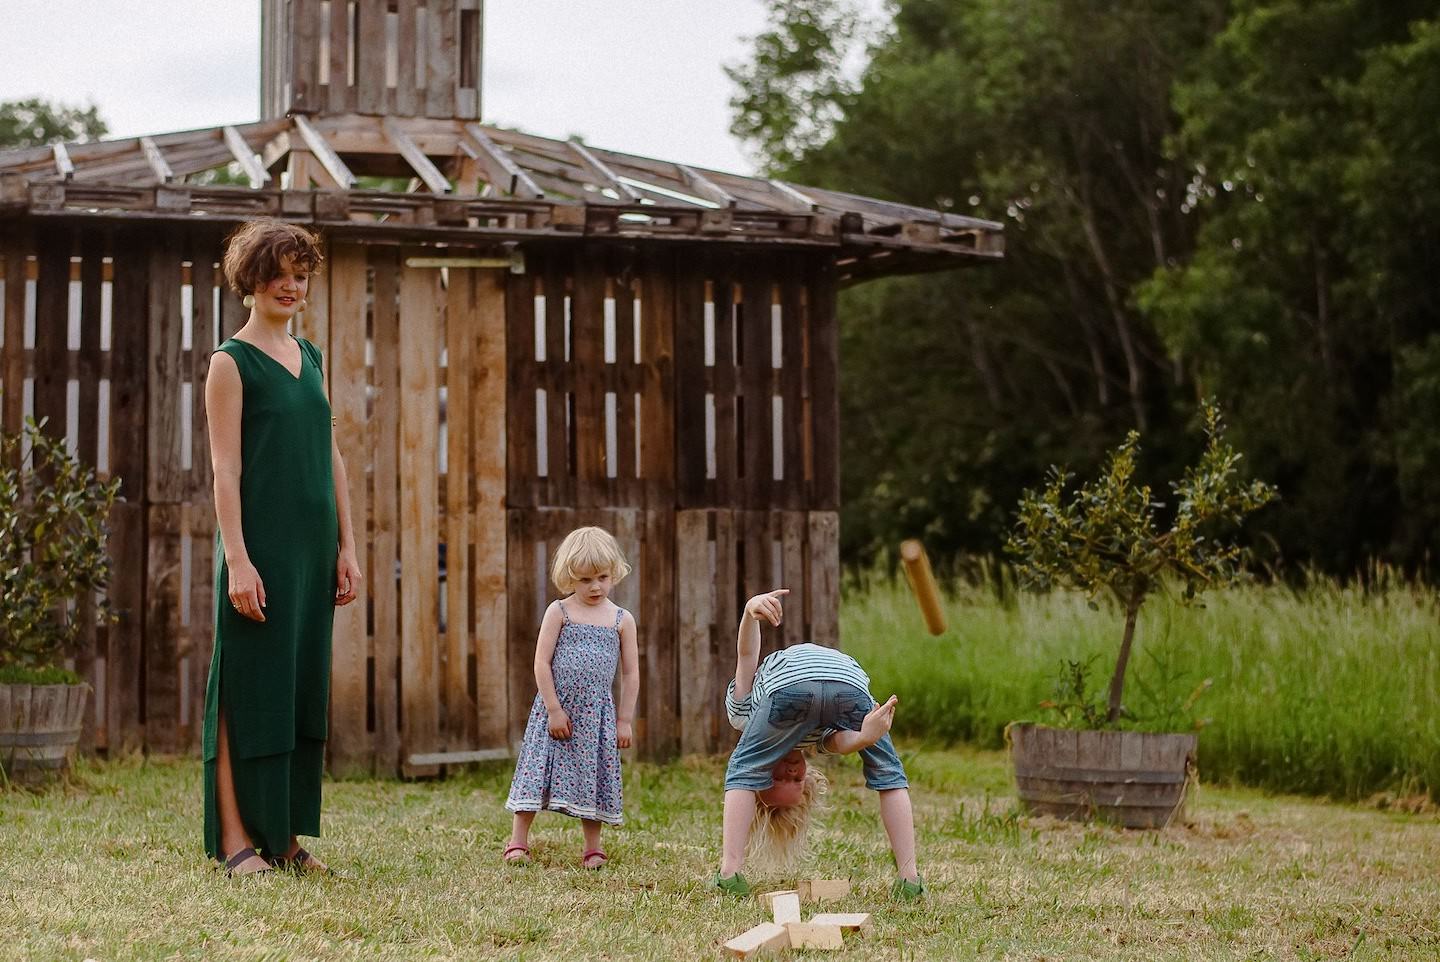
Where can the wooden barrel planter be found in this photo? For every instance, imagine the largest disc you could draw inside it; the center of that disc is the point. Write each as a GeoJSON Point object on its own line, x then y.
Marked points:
{"type": "Point", "coordinates": [39, 728]}
{"type": "Point", "coordinates": [1133, 779]}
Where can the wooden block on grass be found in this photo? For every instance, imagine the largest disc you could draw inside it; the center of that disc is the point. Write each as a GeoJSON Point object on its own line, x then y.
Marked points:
{"type": "Point", "coordinates": [786, 907]}
{"type": "Point", "coordinates": [823, 889]}
{"type": "Point", "coordinates": [808, 935]}
{"type": "Point", "coordinates": [765, 937]}
{"type": "Point", "coordinates": [767, 899]}
{"type": "Point", "coordinates": [848, 922]}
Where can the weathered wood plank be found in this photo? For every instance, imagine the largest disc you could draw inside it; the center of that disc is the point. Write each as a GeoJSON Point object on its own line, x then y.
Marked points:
{"type": "Point", "coordinates": [384, 443]}
{"type": "Point", "coordinates": [792, 385]}
{"type": "Point", "coordinates": [441, 65]}
{"type": "Point", "coordinates": [661, 684]}
{"type": "Point", "coordinates": [421, 306]}
{"type": "Point", "coordinates": [728, 423]}
{"type": "Point", "coordinates": [522, 480]}
{"type": "Point", "coordinates": [587, 335]}
{"type": "Point", "coordinates": [523, 591]}
{"type": "Point", "coordinates": [12, 355]}
{"type": "Point", "coordinates": [824, 370]}
{"type": "Point", "coordinates": [688, 435]}
{"type": "Point", "coordinates": [342, 96]}
{"type": "Point", "coordinates": [658, 320]}
{"type": "Point", "coordinates": [370, 57]}
{"type": "Point", "coordinates": [756, 468]}
{"type": "Point", "coordinates": [460, 711]}
{"type": "Point", "coordinates": [726, 616]}
{"type": "Point", "coordinates": [824, 583]}
{"type": "Point", "coordinates": [406, 98]}
{"type": "Point", "coordinates": [559, 487]}
{"type": "Point", "coordinates": [694, 600]}
{"type": "Point", "coordinates": [791, 526]}
{"type": "Point", "coordinates": [351, 751]}
{"type": "Point", "coordinates": [164, 522]}
{"type": "Point", "coordinates": [165, 370]}
{"type": "Point", "coordinates": [129, 360]}
{"type": "Point", "coordinates": [486, 325]}
{"type": "Point", "coordinates": [51, 353]}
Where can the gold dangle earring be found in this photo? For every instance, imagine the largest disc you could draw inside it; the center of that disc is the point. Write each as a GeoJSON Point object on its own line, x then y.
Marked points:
{"type": "Point", "coordinates": [300, 308]}
{"type": "Point", "coordinates": [248, 300]}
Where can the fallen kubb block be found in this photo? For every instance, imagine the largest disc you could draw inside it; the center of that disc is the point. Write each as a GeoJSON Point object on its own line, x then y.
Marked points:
{"type": "Point", "coordinates": [767, 899]}
{"type": "Point", "coordinates": [808, 935]}
{"type": "Point", "coordinates": [785, 907]}
{"type": "Point", "coordinates": [847, 921]}
{"type": "Point", "coordinates": [823, 889]}
{"type": "Point", "coordinates": [765, 937]}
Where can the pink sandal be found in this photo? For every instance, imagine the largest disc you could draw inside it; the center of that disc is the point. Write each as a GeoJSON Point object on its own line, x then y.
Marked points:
{"type": "Point", "coordinates": [521, 852]}
{"type": "Point", "coordinates": [594, 853]}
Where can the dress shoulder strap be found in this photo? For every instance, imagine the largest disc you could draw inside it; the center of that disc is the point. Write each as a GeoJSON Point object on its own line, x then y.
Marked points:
{"type": "Point", "coordinates": [563, 613]}
{"type": "Point", "coordinates": [619, 616]}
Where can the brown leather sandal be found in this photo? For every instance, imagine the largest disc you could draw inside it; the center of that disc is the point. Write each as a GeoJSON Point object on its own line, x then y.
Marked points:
{"type": "Point", "coordinates": [239, 859]}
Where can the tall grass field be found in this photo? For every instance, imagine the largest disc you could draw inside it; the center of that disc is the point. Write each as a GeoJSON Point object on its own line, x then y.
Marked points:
{"type": "Point", "coordinates": [1327, 689]}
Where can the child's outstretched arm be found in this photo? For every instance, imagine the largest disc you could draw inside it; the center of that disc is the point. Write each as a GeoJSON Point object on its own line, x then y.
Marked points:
{"type": "Point", "coordinates": [747, 645]}
{"type": "Point", "coordinates": [629, 682]}
{"type": "Point", "coordinates": [544, 677]}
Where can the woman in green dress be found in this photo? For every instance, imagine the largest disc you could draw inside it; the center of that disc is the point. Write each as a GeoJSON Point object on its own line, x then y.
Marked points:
{"type": "Point", "coordinates": [285, 556]}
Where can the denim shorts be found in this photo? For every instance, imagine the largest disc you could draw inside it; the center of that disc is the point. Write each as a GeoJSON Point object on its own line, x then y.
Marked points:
{"type": "Point", "coordinates": [781, 720]}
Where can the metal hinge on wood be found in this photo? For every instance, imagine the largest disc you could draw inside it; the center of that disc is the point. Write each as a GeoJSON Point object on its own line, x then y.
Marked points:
{"type": "Point", "coordinates": [514, 263]}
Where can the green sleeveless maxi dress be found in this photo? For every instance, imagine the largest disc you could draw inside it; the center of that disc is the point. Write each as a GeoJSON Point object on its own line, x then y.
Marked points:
{"type": "Point", "coordinates": [272, 679]}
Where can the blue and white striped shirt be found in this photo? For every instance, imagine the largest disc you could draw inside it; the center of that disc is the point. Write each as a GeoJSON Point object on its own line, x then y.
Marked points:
{"type": "Point", "coordinates": [788, 666]}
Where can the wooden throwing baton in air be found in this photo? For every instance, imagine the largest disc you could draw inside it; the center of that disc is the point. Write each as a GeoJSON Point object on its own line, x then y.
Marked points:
{"type": "Point", "coordinates": [922, 582]}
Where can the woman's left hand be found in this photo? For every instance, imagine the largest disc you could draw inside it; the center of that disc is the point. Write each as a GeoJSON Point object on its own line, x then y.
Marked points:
{"type": "Point", "coordinates": [624, 734]}
{"type": "Point", "coordinates": [347, 577]}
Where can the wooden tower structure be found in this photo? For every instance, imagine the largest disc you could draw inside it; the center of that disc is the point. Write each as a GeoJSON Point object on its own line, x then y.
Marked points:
{"type": "Point", "coordinates": [521, 335]}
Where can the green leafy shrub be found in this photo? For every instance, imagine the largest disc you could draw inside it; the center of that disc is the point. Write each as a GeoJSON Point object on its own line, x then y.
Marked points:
{"type": "Point", "coordinates": [1107, 537]}
{"type": "Point", "coordinates": [52, 554]}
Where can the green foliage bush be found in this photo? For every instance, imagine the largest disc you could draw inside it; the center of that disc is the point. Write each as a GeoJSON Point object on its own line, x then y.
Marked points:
{"type": "Point", "coordinates": [1107, 539]}
{"type": "Point", "coordinates": [52, 552]}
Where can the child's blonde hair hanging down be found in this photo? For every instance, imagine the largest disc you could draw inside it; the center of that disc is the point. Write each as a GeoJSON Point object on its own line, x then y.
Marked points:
{"type": "Point", "coordinates": [587, 551]}
{"type": "Point", "coordinates": [777, 835]}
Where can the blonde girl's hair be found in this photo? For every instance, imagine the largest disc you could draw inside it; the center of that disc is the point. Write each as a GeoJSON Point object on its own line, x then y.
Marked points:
{"type": "Point", "coordinates": [587, 551]}
{"type": "Point", "coordinates": [777, 835]}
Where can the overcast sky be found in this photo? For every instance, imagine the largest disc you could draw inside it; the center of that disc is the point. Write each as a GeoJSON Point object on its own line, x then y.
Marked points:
{"type": "Point", "coordinates": [643, 76]}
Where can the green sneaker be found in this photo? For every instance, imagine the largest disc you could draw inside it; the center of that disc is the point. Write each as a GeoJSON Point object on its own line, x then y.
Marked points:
{"type": "Point", "coordinates": [906, 891]}
{"type": "Point", "coordinates": [731, 885]}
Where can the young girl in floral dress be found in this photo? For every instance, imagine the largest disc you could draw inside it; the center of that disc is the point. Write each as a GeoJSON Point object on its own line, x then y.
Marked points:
{"type": "Point", "coordinates": [570, 759]}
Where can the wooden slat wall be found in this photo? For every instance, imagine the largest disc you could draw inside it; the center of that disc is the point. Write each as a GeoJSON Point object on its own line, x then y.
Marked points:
{"type": "Point", "coordinates": [351, 70]}
{"type": "Point", "coordinates": [661, 369]}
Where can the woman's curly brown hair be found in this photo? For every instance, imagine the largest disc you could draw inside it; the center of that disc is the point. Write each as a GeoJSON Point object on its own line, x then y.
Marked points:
{"type": "Point", "coordinates": [257, 248]}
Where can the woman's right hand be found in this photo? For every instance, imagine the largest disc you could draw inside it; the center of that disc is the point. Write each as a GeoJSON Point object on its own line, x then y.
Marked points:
{"type": "Point", "coordinates": [767, 606]}
{"type": "Point", "coordinates": [247, 591]}
{"type": "Point", "coordinates": [559, 724]}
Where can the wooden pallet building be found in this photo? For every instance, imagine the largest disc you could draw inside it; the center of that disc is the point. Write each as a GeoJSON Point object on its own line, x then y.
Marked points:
{"type": "Point", "coordinates": [521, 335]}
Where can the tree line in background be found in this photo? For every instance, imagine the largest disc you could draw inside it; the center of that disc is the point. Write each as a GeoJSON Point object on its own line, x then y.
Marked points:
{"type": "Point", "coordinates": [1202, 198]}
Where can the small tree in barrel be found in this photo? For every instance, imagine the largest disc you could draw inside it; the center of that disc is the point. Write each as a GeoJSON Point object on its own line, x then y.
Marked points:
{"type": "Point", "coordinates": [1106, 537]}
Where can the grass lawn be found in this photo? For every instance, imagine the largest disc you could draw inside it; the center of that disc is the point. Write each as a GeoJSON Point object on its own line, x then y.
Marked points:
{"type": "Point", "coordinates": [110, 869]}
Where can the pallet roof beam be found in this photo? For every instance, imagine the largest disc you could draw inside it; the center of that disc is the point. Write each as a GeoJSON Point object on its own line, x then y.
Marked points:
{"type": "Point", "coordinates": [415, 157]}
{"type": "Point", "coordinates": [63, 165]}
{"type": "Point", "coordinates": [706, 187]}
{"type": "Point", "coordinates": [503, 171]}
{"type": "Point", "coordinates": [245, 157]}
{"type": "Point", "coordinates": [604, 174]}
{"type": "Point", "coordinates": [793, 197]}
{"type": "Point", "coordinates": [156, 160]}
{"type": "Point", "coordinates": [324, 153]}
